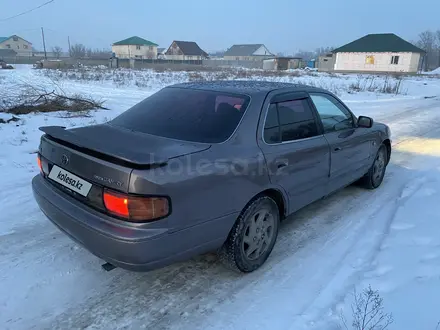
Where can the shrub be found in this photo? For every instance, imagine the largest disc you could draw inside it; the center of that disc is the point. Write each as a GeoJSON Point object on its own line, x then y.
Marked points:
{"type": "Point", "coordinates": [368, 312]}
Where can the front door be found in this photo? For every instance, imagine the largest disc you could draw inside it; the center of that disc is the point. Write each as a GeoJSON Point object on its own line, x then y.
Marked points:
{"type": "Point", "coordinates": [350, 149]}
{"type": "Point", "coordinates": [297, 154]}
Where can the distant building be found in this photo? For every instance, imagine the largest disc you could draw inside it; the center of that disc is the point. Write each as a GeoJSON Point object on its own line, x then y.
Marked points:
{"type": "Point", "coordinates": [282, 63]}
{"type": "Point", "coordinates": [326, 62]}
{"type": "Point", "coordinates": [135, 48]}
{"type": "Point", "coordinates": [248, 52]}
{"type": "Point", "coordinates": [185, 51]}
{"type": "Point", "coordinates": [161, 53]}
{"type": "Point", "coordinates": [217, 54]}
{"type": "Point", "coordinates": [384, 52]}
{"type": "Point", "coordinates": [20, 46]}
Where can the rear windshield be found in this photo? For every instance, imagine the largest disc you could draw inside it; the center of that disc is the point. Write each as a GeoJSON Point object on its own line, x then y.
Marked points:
{"type": "Point", "coordinates": [186, 114]}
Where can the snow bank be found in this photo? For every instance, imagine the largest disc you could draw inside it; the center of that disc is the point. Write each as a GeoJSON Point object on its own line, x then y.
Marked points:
{"type": "Point", "coordinates": [435, 72]}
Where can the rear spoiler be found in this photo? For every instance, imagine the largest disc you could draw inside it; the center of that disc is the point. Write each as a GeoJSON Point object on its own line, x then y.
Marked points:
{"type": "Point", "coordinates": [105, 150]}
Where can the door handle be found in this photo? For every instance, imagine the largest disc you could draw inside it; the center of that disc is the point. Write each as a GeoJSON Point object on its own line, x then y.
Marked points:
{"type": "Point", "coordinates": [281, 164]}
{"type": "Point", "coordinates": [337, 149]}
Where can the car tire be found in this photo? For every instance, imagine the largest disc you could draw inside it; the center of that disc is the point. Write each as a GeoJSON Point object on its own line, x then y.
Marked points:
{"type": "Point", "coordinates": [374, 177]}
{"type": "Point", "coordinates": [256, 229]}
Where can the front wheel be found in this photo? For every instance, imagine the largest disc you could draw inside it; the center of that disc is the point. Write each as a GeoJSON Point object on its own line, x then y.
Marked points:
{"type": "Point", "coordinates": [376, 173]}
{"type": "Point", "coordinates": [253, 236]}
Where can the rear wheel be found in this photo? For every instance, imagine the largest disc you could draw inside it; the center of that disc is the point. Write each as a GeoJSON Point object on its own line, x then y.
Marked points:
{"type": "Point", "coordinates": [253, 236]}
{"type": "Point", "coordinates": [376, 173]}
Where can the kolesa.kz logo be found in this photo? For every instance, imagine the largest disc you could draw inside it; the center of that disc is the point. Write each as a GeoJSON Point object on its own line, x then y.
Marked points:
{"type": "Point", "coordinates": [64, 177]}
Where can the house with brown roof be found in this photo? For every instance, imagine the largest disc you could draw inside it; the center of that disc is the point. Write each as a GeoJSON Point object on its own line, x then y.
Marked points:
{"type": "Point", "coordinates": [185, 51]}
{"type": "Point", "coordinates": [247, 52]}
{"type": "Point", "coordinates": [383, 52]}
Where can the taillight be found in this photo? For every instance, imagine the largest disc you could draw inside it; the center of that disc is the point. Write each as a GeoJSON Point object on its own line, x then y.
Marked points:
{"type": "Point", "coordinates": [39, 163]}
{"type": "Point", "coordinates": [42, 165]}
{"type": "Point", "coordinates": [136, 208]}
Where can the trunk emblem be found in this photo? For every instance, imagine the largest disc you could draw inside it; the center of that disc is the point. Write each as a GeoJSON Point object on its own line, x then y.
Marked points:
{"type": "Point", "coordinates": [108, 180]}
{"type": "Point", "coordinates": [64, 160]}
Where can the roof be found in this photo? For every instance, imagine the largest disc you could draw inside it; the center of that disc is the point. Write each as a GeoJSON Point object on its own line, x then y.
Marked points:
{"type": "Point", "coordinates": [2, 39]}
{"type": "Point", "coordinates": [242, 50]}
{"type": "Point", "coordinates": [138, 41]}
{"type": "Point", "coordinates": [241, 86]}
{"type": "Point", "coordinates": [379, 43]}
{"type": "Point", "coordinates": [190, 48]}
{"type": "Point", "coordinates": [7, 53]}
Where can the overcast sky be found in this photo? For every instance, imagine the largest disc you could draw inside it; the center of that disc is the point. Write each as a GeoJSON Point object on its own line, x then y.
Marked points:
{"type": "Point", "coordinates": [282, 25]}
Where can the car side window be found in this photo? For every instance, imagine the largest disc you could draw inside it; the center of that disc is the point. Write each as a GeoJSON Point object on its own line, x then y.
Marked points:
{"type": "Point", "coordinates": [272, 126]}
{"type": "Point", "coordinates": [334, 116]}
{"type": "Point", "coordinates": [289, 121]}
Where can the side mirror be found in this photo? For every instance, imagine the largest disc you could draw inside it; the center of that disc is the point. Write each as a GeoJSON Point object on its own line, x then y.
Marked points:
{"type": "Point", "coordinates": [364, 121]}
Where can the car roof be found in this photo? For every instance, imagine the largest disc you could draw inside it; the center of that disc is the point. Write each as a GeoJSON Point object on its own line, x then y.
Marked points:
{"type": "Point", "coordinates": [244, 86]}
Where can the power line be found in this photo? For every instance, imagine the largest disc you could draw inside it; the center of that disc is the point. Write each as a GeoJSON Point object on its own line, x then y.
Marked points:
{"type": "Point", "coordinates": [27, 11]}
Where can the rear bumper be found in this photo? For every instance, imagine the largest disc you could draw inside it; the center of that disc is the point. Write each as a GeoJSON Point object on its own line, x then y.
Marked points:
{"type": "Point", "coordinates": [125, 245]}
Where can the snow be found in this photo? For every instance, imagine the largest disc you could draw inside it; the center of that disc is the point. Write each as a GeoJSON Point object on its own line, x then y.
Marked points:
{"type": "Point", "coordinates": [387, 238]}
{"type": "Point", "coordinates": [436, 72]}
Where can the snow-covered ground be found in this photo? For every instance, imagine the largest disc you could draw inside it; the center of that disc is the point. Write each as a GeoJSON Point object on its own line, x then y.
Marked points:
{"type": "Point", "coordinates": [387, 238]}
{"type": "Point", "coordinates": [435, 72]}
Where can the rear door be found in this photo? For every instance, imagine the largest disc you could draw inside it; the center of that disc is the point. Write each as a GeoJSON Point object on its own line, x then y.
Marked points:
{"type": "Point", "coordinates": [296, 152]}
{"type": "Point", "coordinates": [350, 145]}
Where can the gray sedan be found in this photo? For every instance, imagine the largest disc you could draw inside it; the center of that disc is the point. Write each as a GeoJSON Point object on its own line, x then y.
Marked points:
{"type": "Point", "coordinates": [201, 167]}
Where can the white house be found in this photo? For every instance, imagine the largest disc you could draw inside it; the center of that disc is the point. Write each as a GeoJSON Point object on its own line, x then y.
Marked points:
{"type": "Point", "coordinates": [135, 48]}
{"type": "Point", "coordinates": [248, 52]}
{"type": "Point", "coordinates": [17, 44]}
{"type": "Point", "coordinates": [384, 52]}
{"type": "Point", "coordinates": [185, 51]}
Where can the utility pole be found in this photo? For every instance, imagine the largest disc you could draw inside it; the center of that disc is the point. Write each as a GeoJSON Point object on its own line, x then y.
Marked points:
{"type": "Point", "coordinates": [70, 51]}
{"type": "Point", "coordinates": [44, 43]}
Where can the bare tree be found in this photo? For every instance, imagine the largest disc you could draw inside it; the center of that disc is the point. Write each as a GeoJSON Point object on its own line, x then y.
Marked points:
{"type": "Point", "coordinates": [438, 47]}
{"type": "Point", "coordinates": [57, 51]}
{"type": "Point", "coordinates": [323, 50]}
{"type": "Point", "coordinates": [427, 42]}
{"type": "Point", "coordinates": [308, 55]}
{"type": "Point", "coordinates": [99, 53]}
{"type": "Point", "coordinates": [78, 51]}
{"type": "Point", "coordinates": [305, 55]}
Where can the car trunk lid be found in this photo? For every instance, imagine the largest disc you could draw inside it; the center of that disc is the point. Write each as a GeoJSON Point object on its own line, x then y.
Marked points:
{"type": "Point", "coordinates": [106, 155]}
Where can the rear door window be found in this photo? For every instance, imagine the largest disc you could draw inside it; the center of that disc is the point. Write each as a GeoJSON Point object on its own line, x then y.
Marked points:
{"type": "Point", "coordinates": [186, 114]}
{"type": "Point", "coordinates": [272, 126]}
{"type": "Point", "coordinates": [289, 121]}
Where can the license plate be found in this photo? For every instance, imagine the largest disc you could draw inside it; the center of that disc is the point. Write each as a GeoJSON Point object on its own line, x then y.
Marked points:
{"type": "Point", "coordinates": [70, 180]}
